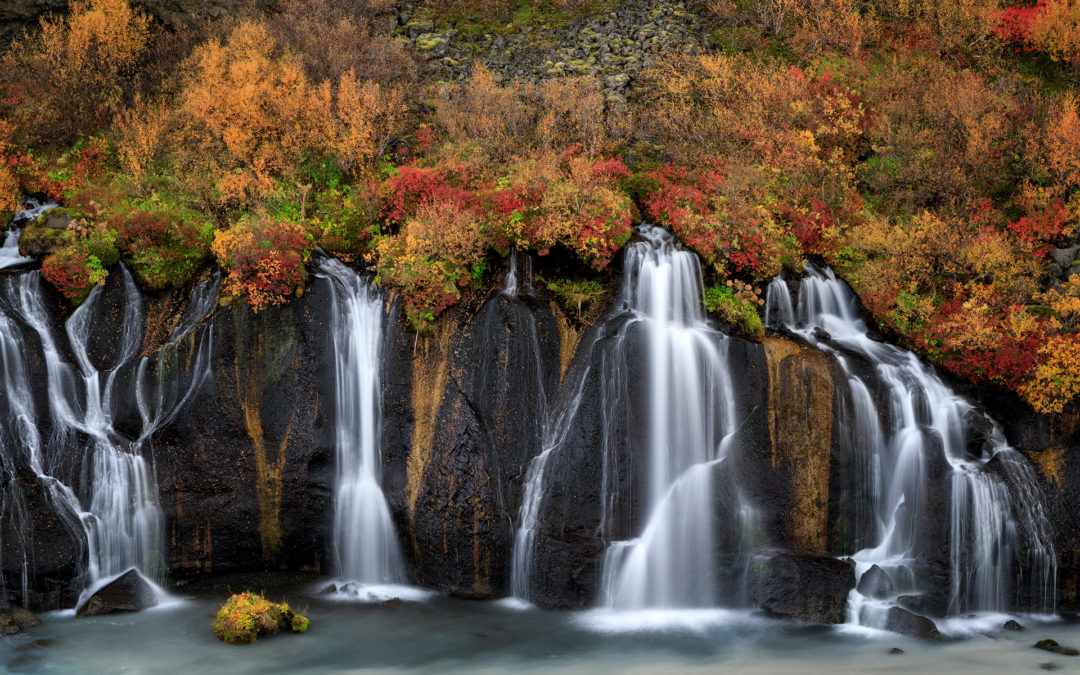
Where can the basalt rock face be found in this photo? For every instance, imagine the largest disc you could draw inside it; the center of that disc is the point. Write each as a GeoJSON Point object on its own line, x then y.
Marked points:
{"type": "Point", "coordinates": [245, 468]}
{"type": "Point", "coordinates": [480, 394]}
{"type": "Point", "coordinates": [246, 471]}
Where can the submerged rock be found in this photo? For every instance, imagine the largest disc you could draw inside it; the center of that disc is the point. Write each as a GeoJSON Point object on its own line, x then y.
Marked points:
{"type": "Point", "coordinates": [129, 592]}
{"type": "Point", "coordinates": [1053, 646]}
{"type": "Point", "coordinates": [37, 644]}
{"type": "Point", "coordinates": [900, 620]}
{"type": "Point", "coordinates": [801, 586]}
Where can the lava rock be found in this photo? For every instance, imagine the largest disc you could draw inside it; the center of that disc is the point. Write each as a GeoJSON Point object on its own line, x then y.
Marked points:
{"type": "Point", "coordinates": [875, 583]}
{"type": "Point", "coordinates": [1053, 646]}
{"type": "Point", "coordinates": [801, 586]}
{"type": "Point", "coordinates": [1065, 256]}
{"type": "Point", "coordinates": [900, 620]}
{"type": "Point", "coordinates": [129, 592]}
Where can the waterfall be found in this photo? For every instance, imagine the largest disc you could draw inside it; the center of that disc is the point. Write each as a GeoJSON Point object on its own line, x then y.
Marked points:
{"type": "Point", "coordinates": [366, 548]}
{"type": "Point", "coordinates": [921, 422]}
{"type": "Point", "coordinates": [691, 421]}
{"type": "Point", "coordinates": [517, 280]}
{"type": "Point", "coordinates": [9, 252]}
{"type": "Point", "coordinates": [521, 559]}
{"type": "Point", "coordinates": [110, 497]}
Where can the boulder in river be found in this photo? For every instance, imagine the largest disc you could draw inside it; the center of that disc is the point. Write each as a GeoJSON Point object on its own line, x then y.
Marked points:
{"type": "Point", "coordinates": [16, 619]}
{"type": "Point", "coordinates": [900, 620]}
{"type": "Point", "coordinates": [801, 586]}
{"type": "Point", "coordinates": [129, 592]}
{"type": "Point", "coordinates": [1053, 646]}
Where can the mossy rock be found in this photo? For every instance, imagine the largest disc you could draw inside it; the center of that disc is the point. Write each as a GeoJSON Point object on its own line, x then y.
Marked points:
{"type": "Point", "coordinates": [38, 241]}
{"type": "Point", "coordinates": [59, 217]}
{"type": "Point", "coordinates": [246, 616]}
{"type": "Point", "coordinates": [1053, 646]}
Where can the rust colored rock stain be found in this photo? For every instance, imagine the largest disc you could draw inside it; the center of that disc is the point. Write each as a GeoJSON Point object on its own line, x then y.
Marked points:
{"type": "Point", "coordinates": [800, 432]}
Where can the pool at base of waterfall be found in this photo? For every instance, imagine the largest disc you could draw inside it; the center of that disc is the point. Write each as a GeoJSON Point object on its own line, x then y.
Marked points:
{"type": "Point", "coordinates": [441, 634]}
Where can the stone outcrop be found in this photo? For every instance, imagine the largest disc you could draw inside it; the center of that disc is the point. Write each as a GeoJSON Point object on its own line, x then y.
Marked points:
{"type": "Point", "coordinates": [480, 398]}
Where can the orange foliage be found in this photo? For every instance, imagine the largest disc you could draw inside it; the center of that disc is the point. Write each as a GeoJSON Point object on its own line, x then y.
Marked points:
{"type": "Point", "coordinates": [9, 183]}
{"type": "Point", "coordinates": [1055, 29]}
{"type": "Point", "coordinates": [430, 259]}
{"type": "Point", "coordinates": [331, 39]}
{"type": "Point", "coordinates": [250, 114]}
{"type": "Point", "coordinates": [1060, 146]}
{"type": "Point", "coordinates": [141, 132]}
{"type": "Point", "coordinates": [370, 115]}
{"type": "Point", "coordinates": [1056, 382]}
{"type": "Point", "coordinates": [76, 72]}
{"type": "Point", "coordinates": [495, 117]}
{"type": "Point", "coordinates": [953, 25]}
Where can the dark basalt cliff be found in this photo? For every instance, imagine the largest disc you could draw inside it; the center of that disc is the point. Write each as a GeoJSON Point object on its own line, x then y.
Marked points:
{"type": "Point", "coordinates": [245, 468]}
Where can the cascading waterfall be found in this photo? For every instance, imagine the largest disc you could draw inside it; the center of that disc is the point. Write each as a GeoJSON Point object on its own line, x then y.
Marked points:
{"type": "Point", "coordinates": [691, 422]}
{"type": "Point", "coordinates": [521, 560]}
{"type": "Point", "coordinates": [366, 548]}
{"type": "Point", "coordinates": [9, 252]}
{"type": "Point", "coordinates": [116, 506]}
{"type": "Point", "coordinates": [922, 414]}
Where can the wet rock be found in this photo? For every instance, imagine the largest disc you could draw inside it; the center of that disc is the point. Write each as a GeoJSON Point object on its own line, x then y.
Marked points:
{"type": "Point", "coordinates": [900, 620]}
{"type": "Point", "coordinates": [1051, 645]}
{"type": "Point", "coordinates": [493, 372]}
{"type": "Point", "coordinates": [978, 432]}
{"type": "Point", "coordinates": [56, 221]}
{"type": "Point", "coordinates": [129, 592]}
{"type": "Point", "coordinates": [896, 650]}
{"type": "Point", "coordinates": [915, 602]}
{"type": "Point", "coordinates": [8, 625]}
{"type": "Point", "coordinates": [875, 583]}
{"type": "Point", "coordinates": [1013, 625]}
{"type": "Point", "coordinates": [801, 586]}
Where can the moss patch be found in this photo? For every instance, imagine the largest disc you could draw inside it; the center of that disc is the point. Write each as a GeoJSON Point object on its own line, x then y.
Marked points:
{"type": "Point", "coordinates": [246, 616]}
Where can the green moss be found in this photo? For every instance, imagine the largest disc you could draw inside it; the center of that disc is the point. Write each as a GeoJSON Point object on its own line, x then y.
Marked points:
{"type": "Point", "coordinates": [39, 241]}
{"type": "Point", "coordinates": [744, 316]}
{"type": "Point", "coordinates": [165, 244]}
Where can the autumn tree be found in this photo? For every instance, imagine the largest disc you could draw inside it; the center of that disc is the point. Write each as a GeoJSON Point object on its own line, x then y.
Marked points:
{"type": "Point", "coordinates": [75, 73]}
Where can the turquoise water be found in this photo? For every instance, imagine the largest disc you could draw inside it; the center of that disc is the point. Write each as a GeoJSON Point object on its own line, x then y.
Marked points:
{"type": "Point", "coordinates": [445, 635]}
